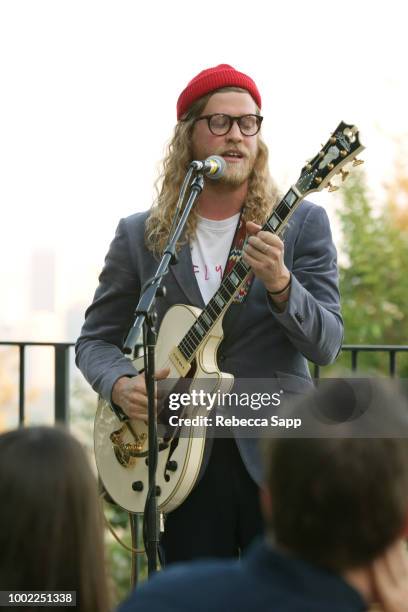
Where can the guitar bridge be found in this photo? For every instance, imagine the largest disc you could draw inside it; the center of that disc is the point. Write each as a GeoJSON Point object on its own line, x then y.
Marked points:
{"type": "Point", "coordinates": [127, 452]}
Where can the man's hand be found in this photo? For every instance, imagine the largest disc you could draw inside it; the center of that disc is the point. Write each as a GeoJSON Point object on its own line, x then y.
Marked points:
{"type": "Point", "coordinates": [131, 394]}
{"type": "Point", "coordinates": [390, 578]}
{"type": "Point", "coordinates": [264, 253]}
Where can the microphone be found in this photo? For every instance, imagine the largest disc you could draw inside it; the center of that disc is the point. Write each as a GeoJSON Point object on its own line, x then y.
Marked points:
{"type": "Point", "coordinates": [213, 167]}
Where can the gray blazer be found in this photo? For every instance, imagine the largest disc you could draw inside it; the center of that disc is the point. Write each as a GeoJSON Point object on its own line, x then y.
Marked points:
{"type": "Point", "coordinates": [260, 342]}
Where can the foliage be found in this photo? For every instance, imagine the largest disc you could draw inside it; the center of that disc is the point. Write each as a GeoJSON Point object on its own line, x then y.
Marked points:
{"type": "Point", "coordinates": [118, 558]}
{"type": "Point", "coordinates": [373, 277]}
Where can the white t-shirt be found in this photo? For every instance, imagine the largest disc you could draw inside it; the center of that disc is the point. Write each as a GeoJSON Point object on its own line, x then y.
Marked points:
{"type": "Point", "coordinates": [209, 252]}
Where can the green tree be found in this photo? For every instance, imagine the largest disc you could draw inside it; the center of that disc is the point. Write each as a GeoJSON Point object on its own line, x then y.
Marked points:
{"type": "Point", "coordinates": [373, 277]}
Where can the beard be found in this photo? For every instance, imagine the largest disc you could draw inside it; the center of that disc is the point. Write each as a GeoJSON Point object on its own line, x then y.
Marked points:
{"type": "Point", "coordinates": [237, 173]}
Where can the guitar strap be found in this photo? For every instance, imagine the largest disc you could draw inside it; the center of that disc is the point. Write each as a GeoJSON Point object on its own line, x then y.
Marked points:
{"type": "Point", "coordinates": [235, 253]}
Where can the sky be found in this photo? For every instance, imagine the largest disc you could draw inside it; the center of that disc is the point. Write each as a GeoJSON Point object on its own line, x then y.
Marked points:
{"type": "Point", "coordinates": [87, 104]}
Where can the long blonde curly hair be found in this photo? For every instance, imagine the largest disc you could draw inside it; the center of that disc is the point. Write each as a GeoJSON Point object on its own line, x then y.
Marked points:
{"type": "Point", "coordinates": [262, 192]}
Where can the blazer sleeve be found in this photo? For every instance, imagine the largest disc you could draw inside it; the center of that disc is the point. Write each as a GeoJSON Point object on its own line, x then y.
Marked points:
{"type": "Point", "coordinates": [108, 319]}
{"type": "Point", "coordinates": [312, 318]}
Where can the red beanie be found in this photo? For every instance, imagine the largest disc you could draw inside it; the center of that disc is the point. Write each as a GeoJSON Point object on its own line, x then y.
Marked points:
{"type": "Point", "coordinates": [211, 79]}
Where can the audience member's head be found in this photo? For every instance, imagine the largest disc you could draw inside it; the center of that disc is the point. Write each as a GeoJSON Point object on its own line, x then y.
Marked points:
{"type": "Point", "coordinates": [338, 502]}
{"type": "Point", "coordinates": [50, 520]}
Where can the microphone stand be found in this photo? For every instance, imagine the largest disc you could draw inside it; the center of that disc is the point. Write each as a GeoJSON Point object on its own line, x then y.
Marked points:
{"type": "Point", "coordinates": [146, 316]}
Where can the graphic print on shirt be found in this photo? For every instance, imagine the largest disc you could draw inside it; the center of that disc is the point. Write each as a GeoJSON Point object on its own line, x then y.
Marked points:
{"type": "Point", "coordinates": [209, 252]}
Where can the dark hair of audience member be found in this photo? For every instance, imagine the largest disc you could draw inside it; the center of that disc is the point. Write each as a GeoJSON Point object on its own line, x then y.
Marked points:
{"type": "Point", "coordinates": [51, 536]}
{"type": "Point", "coordinates": [339, 502]}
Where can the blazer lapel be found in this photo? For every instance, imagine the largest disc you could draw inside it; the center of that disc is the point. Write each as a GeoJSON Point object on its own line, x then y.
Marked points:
{"type": "Point", "coordinates": [185, 277]}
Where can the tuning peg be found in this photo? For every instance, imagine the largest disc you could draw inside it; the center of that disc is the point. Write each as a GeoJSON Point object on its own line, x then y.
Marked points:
{"type": "Point", "coordinates": [344, 174]}
{"type": "Point", "coordinates": [357, 162]}
{"type": "Point", "coordinates": [318, 179]}
{"type": "Point", "coordinates": [332, 187]}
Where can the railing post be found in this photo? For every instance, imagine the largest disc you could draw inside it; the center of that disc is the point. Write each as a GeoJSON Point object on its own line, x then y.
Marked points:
{"type": "Point", "coordinates": [392, 364]}
{"type": "Point", "coordinates": [61, 398]}
{"type": "Point", "coordinates": [354, 354]}
{"type": "Point", "coordinates": [21, 385]}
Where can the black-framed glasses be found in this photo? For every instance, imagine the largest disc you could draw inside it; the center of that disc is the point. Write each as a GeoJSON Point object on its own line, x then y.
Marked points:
{"type": "Point", "coordinates": [220, 124]}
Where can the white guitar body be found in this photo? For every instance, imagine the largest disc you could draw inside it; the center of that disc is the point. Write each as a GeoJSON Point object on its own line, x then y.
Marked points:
{"type": "Point", "coordinates": [113, 438]}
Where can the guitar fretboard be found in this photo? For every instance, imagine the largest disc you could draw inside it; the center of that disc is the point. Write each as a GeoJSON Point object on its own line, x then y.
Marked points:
{"type": "Point", "coordinates": [234, 280]}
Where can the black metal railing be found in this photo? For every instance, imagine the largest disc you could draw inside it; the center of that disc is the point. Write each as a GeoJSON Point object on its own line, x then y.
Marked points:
{"type": "Point", "coordinates": [62, 374]}
{"type": "Point", "coordinates": [61, 377]}
{"type": "Point", "coordinates": [356, 349]}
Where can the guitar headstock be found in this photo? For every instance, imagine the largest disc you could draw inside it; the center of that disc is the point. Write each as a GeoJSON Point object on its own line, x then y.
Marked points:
{"type": "Point", "coordinates": [342, 148]}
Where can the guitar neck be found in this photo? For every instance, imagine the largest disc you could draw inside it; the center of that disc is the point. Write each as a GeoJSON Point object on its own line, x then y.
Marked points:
{"type": "Point", "coordinates": [235, 279]}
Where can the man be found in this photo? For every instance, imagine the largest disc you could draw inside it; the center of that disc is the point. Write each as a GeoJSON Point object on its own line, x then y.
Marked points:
{"type": "Point", "coordinates": [291, 312]}
{"type": "Point", "coordinates": [336, 511]}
